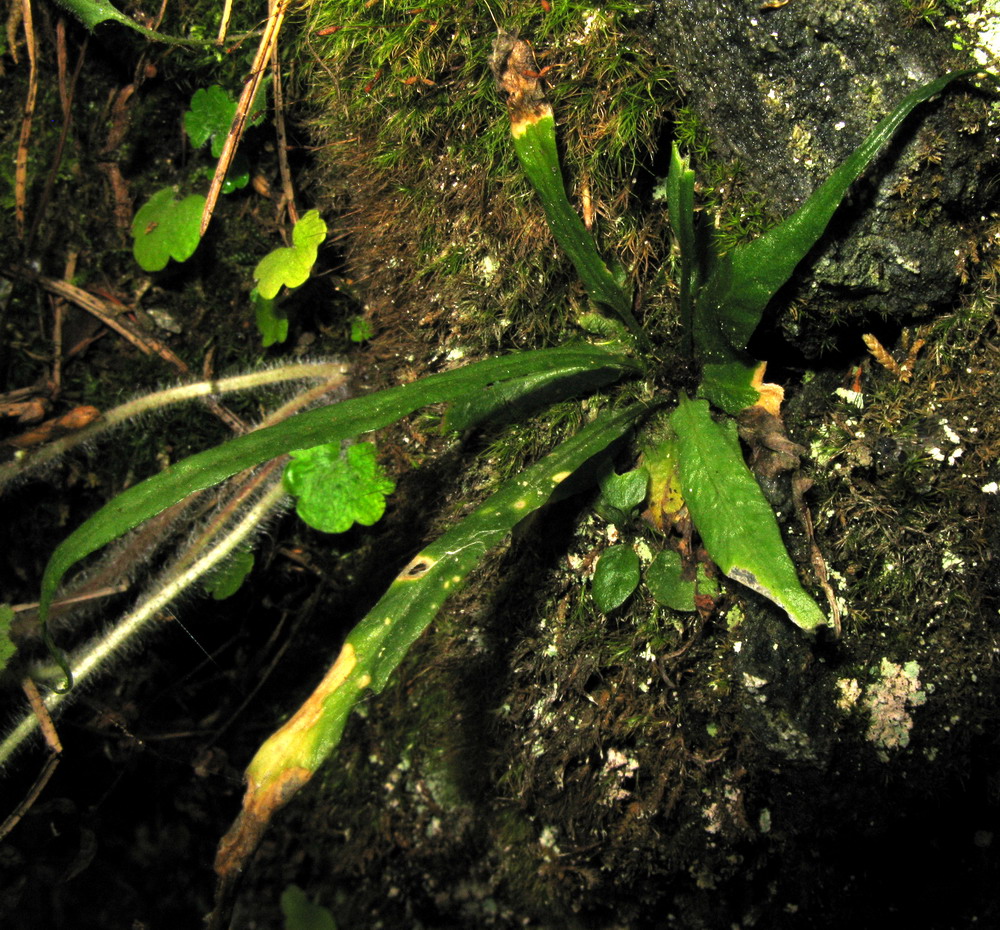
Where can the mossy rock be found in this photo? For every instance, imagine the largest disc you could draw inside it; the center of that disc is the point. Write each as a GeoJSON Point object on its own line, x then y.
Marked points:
{"type": "Point", "coordinates": [784, 93]}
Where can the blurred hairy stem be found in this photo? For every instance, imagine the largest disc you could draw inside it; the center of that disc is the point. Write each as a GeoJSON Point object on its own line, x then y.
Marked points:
{"type": "Point", "coordinates": [97, 654]}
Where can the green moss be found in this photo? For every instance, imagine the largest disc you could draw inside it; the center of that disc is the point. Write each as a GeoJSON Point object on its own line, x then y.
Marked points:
{"type": "Point", "coordinates": [901, 476]}
{"type": "Point", "coordinates": [407, 108]}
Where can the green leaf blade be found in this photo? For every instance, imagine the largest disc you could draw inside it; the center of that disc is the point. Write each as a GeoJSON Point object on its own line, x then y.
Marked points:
{"type": "Point", "coordinates": [94, 12]}
{"type": "Point", "coordinates": [290, 266]}
{"type": "Point", "coordinates": [272, 323]}
{"type": "Point", "coordinates": [377, 645]}
{"type": "Point", "coordinates": [680, 204]}
{"type": "Point", "coordinates": [165, 229]}
{"type": "Point", "coordinates": [348, 419]}
{"type": "Point", "coordinates": [441, 568]}
{"type": "Point", "coordinates": [732, 516]}
{"type": "Point", "coordinates": [535, 144]}
{"type": "Point", "coordinates": [730, 306]}
{"type": "Point", "coordinates": [209, 117]}
{"type": "Point", "coordinates": [666, 582]}
{"type": "Point", "coordinates": [7, 647]}
{"type": "Point", "coordinates": [225, 581]}
{"type": "Point", "coordinates": [615, 578]}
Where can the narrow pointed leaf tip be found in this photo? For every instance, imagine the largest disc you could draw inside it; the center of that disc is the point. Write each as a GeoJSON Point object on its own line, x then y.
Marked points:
{"type": "Point", "coordinates": [729, 307]}
{"type": "Point", "coordinates": [731, 514]}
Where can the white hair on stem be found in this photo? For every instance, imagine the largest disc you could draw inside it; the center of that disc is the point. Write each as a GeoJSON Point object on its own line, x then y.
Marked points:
{"type": "Point", "coordinates": [97, 654]}
{"type": "Point", "coordinates": [328, 371]}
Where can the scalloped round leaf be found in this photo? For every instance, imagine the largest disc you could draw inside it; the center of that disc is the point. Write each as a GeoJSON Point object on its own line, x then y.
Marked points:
{"type": "Point", "coordinates": [229, 577]}
{"type": "Point", "coordinates": [165, 229]}
{"type": "Point", "coordinates": [211, 115]}
{"type": "Point", "coordinates": [616, 577]}
{"type": "Point", "coordinates": [290, 265]}
{"type": "Point", "coordinates": [335, 490]}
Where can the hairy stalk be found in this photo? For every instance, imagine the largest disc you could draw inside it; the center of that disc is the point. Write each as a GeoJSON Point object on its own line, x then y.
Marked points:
{"type": "Point", "coordinates": [116, 570]}
{"type": "Point", "coordinates": [98, 654]}
{"type": "Point", "coordinates": [26, 461]}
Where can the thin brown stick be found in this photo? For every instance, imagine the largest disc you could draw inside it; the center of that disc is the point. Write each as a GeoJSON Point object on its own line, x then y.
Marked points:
{"type": "Point", "coordinates": [21, 162]}
{"type": "Point", "coordinates": [14, 15]}
{"type": "Point", "coordinates": [58, 313]}
{"type": "Point", "coordinates": [276, 17]}
{"type": "Point", "coordinates": [227, 14]}
{"type": "Point", "coordinates": [102, 310]}
{"type": "Point", "coordinates": [67, 92]}
{"type": "Point", "coordinates": [287, 190]}
{"type": "Point", "coordinates": [55, 752]}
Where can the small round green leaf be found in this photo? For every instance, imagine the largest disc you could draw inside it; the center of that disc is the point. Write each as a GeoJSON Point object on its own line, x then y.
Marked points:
{"type": "Point", "coordinates": [627, 491]}
{"type": "Point", "coordinates": [663, 578]}
{"type": "Point", "coordinates": [291, 265]}
{"type": "Point", "coordinates": [229, 577]}
{"type": "Point", "coordinates": [668, 587]}
{"type": "Point", "coordinates": [616, 577]}
{"type": "Point", "coordinates": [301, 914]}
{"type": "Point", "coordinates": [165, 229]}
{"type": "Point", "coordinates": [336, 490]}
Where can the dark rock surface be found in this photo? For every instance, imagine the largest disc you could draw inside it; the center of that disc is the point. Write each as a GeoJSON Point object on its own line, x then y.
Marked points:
{"type": "Point", "coordinates": [788, 93]}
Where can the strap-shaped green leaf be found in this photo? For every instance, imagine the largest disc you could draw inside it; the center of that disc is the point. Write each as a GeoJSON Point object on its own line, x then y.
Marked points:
{"type": "Point", "coordinates": [378, 644]}
{"type": "Point", "coordinates": [94, 12]}
{"type": "Point", "coordinates": [336, 422]}
{"type": "Point", "coordinates": [680, 203]}
{"type": "Point", "coordinates": [731, 514]}
{"type": "Point", "coordinates": [535, 144]}
{"type": "Point", "coordinates": [290, 757]}
{"type": "Point", "coordinates": [729, 307]}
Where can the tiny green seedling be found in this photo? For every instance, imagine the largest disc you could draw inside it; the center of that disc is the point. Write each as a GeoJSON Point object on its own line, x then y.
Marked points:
{"type": "Point", "coordinates": [361, 329]}
{"type": "Point", "coordinates": [286, 266]}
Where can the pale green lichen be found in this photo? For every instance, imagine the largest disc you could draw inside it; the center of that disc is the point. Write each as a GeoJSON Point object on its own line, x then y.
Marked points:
{"type": "Point", "coordinates": [888, 701]}
{"type": "Point", "coordinates": [985, 26]}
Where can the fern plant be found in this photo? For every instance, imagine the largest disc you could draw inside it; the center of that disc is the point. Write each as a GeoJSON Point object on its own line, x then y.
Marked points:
{"type": "Point", "coordinates": [722, 299]}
